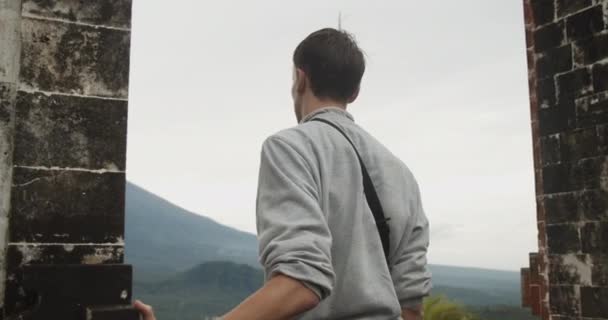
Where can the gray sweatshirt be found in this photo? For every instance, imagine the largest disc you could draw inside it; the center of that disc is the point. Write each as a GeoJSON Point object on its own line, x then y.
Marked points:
{"type": "Point", "coordinates": [314, 223]}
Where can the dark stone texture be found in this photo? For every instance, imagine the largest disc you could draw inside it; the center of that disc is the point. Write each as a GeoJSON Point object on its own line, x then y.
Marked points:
{"type": "Point", "coordinates": [112, 313]}
{"type": "Point", "coordinates": [574, 84]}
{"type": "Point", "coordinates": [67, 206]}
{"type": "Point", "coordinates": [572, 207]}
{"type": "Point", "coordinates": [7, 104]}
{"type": "Point", "coordinates": [535, 297]}
{"type": "Point", "coordinates": [564, 300]}
{"type": "Point", "coordinates": [593, 302]}
{"type": "Point", "coordinates": [113, 13]}
{"type": "Point", "coordinates": [534, 268]}
{"type": "Point", "coordinates": [562, 208]}
{"type": "Point", "coordinates": [545, 93]}
{"type": "Point", "coordinates": [529, 41]}
{"type": "Point", "coordinates": [591, 50]}
{"type": "Point", "coordinates": [594, 238]}
{"type": "Point", "coordinates": [565, 7]}
{"type": "Point", "coordinates": [555, 179]}
{"type": "Point", "coordinates": [70, 58]}
{"type": "Point", "coordinates": [35, 254]}
{"type": "Point", "coordinates": [531, 61]}
{"type": "Point", "coordinates": [588, 174]}
{"type": "Point", "coordinates": [600, 77]}
{"type": "Point", "coordinates": [68, 131]}
{"type": "Point", "coordinates": [549, 36]}
{"type": "Point", "coordinates": [563, 274]}
{"type": "Point", "coordinates": [602, 144]}
{"type": "Point", "coordinates": [551, 149]}
{"type": "Point", "coordinates": [599, 274]}
{"type": "Point", "coordinates": [585, 23]}
{"type": "Point", "coordinates": [594, 205]}
{"type": "Point", "coordinates": [543, 11]}
{"type": "Point", "coordinates": [554, 61]}
{"type": "Point", "coordinates": [7, 118]}
{"type": "Point", "coordinates": [557, 119]}
{"type": "Point", "coordinates": [563, 238]}
{"type": "Point", "coordinates": [569, 79]}
{"type": "Point", "coordinates": [592, 110]}
{"type": "Point", "coordinates": [19, 255]}
{"type": "Point", "coordinates": [64, 291]}
{"type": "Point", "coordinates": [7, 92]}
{"type": "Point", "coordinates": [580, 144]}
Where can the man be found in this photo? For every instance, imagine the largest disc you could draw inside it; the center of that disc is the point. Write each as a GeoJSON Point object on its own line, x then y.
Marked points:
{"type": "Point", "coordinates": [319, 243]}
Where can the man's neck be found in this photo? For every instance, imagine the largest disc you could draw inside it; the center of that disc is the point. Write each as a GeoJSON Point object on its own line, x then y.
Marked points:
{"type": "Point", "coordinates": [317, 105]}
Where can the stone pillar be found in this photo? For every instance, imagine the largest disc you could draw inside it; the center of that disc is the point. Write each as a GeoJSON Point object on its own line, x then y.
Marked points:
{"type": "Point", "coordinates": [64, 67]}
{"type": "Point", "coordinates": [10, 45]}
{"type": "Point", "coordinates": [567, 47]}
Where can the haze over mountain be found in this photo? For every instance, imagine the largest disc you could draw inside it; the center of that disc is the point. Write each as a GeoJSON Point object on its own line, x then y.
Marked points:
{"type": "Point", "coordinates": [190, 265]}
{"type": "Point", "coordinates": [162, 239]}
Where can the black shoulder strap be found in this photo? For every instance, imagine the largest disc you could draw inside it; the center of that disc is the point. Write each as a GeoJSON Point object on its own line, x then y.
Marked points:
{"type": "Point", "coordinates": [371, 196]}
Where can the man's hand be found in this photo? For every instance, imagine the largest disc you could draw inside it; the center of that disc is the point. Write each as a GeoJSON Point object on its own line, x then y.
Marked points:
{"type": "Point", "coordinates": [145, 310]}
{"type": "Point", "coordinates": [412, 313]}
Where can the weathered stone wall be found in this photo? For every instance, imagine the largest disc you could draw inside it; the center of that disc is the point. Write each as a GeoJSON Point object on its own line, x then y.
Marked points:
{"type": "Point", "coordinates": [567, 43]}
{"type": "Point", "coordinates": [64, 67]}
{"type": "Point", "coordinates": [10, 45]}
{"type": "Point", "coordinates": [533, 286]}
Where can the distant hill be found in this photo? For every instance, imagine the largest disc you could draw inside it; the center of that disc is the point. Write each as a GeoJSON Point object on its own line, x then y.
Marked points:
{"type": "Point", "coordinates": [212, 288]}
{"type": "Point", "coordinates": [476, 286]}
{"type": "Point", "coordinates": [162, 239]}
{"type": "Point", "coordinates": [188, 264]}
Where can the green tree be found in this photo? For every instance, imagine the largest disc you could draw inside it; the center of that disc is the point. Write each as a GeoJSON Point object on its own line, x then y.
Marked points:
{"type": "Point", "coordinates": [440, 308]}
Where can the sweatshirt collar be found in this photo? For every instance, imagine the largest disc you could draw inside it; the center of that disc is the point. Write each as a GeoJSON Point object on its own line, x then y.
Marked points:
{"type": "Point", "coordinates": [335, 110]}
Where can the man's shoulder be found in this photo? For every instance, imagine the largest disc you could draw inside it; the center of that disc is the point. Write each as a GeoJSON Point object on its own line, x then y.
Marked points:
{"type": "Point", "coordinates": [297, 137]}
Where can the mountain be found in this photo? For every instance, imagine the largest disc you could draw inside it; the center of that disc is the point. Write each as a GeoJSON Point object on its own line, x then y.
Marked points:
{"type": "Point", "coordinates": [211, 288]}
{"type": "Point", "coordinates": [162, 239]}
{"type": "Point", "coordinates": [476, 286]}
{"type": "Point", "coordinates": [188, 264]}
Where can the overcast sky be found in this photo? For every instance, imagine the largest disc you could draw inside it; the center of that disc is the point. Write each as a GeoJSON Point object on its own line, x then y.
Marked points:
{"type": "Point", "coordinates": [445, 90]}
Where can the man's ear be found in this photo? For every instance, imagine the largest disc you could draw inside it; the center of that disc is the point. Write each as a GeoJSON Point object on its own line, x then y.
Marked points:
{"type": "Point", "coordinates": [355, 95]}
{"type": "Point", "coordinates": [301, 81]}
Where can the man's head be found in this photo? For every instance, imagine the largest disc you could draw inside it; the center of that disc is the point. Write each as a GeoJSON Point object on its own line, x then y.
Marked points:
{"type": "Point", "coordinates": [328, 67]}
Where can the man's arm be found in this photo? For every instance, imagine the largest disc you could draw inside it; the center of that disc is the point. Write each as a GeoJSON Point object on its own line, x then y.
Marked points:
{"type": "Point", "coordinates": [294, 239]}
{"type": "Point", "coordinates": [281, 298]}
{"type": "Point", "coordinates": [293, 234]}
{"type": "Point", "coordinates": [410, 273]}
